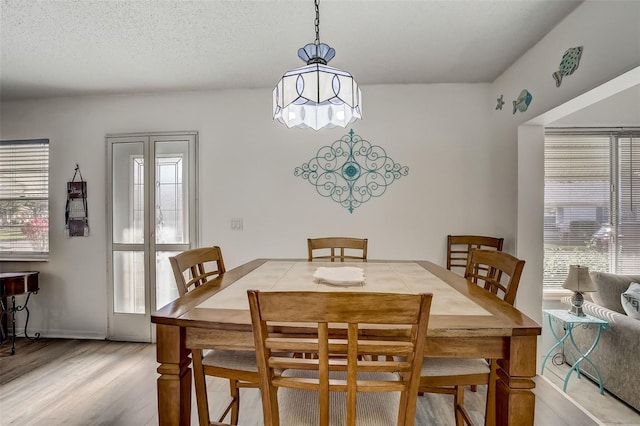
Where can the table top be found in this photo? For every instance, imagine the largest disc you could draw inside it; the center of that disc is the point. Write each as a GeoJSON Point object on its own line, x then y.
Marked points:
{"type": "Point", "coordinates": [16, 283]}
{"type": "Point", "coordinates": [566, 316]}
{"type": "Point", "coordinates": [459, 308]}
{"type": "Point", "coordinates": [5, 275]}
{"type": "Point", "coordinates": [408, 278]}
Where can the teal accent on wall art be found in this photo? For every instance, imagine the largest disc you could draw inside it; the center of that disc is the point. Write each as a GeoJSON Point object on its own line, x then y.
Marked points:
{"type": "Point", "coordinates": [568, 64]}
{"type": "Point", "coordinates": [351, 171]}
{"type": "Point", "coordinates": [522, 103]}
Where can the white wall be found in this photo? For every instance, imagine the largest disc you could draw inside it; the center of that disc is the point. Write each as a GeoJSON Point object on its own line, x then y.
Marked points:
{"type": "Point", "coordinates": [619, 110]}
{"type": "Point", "coordinates": [466, 172]}
{"type": "Point", "coordinates": [441, 132]}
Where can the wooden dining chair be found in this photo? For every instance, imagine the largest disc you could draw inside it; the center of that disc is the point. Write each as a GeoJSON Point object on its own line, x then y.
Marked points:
{"type": "Point", "coordinates": [325, 389]}
{"type": "Point", "coordinates": [503, 272]}
{"type": "Point", "coordinates": [191, 269]}
{"type": "Point", "coordinates": [341, 248]}
{"type": "Point", "coordinates": [451, 375]}
{"type": "Point", "coordinates": [459, 247]}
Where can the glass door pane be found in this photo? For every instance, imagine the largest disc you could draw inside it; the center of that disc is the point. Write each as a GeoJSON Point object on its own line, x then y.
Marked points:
{"type": "Point", "coordinates": [172, 192]}
{"type": "Point", "coordinates": [128, 193]}
{"type": "Point", "coordinates": [166, 290]}
{"type": "Point", "coordinates": [128, 282]}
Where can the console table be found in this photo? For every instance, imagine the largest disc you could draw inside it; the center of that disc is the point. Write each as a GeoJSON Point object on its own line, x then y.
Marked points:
{"type": "Point", "coordinates": [570, 321]}
{"type": "Point", "coordinates": [14, 284]}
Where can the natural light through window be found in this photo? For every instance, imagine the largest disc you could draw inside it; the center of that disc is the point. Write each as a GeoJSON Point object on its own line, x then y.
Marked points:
{"type": "Point", "coordinates": [591, 202]}
{"type": "Point", "coordinates": [24, 199]}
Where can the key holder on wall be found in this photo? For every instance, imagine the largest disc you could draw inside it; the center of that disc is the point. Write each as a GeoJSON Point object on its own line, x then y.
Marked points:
{"type": "Point", "coordinates": [76, 214]}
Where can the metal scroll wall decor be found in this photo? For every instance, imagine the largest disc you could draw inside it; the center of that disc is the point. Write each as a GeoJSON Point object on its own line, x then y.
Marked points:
{"type": "Point", "coordinates": [351, 171]}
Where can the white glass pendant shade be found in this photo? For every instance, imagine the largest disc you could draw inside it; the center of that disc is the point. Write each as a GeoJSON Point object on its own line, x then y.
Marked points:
{"type": "Point", "coordinates": [316, 95]}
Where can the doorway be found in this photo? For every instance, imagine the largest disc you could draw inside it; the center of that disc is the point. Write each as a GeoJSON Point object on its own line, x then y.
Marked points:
{"type": "Point", "coordinates": [152, 214]}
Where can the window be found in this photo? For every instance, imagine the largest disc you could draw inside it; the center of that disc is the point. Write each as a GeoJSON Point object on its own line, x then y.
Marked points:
{"type": "Point", "coordinates": [24, 199]}
{"type": "Point", "coordinates": [591, 202]}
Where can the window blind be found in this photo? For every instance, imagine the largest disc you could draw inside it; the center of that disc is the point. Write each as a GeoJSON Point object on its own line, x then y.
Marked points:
{"type": "Point", "coordinates": [577, 203]}
{"type": "Point", "coordinates": [591, 193]}
{"type": "Point", "coordinates": [628, 232]}
{"type": "Point", "coordinates": [24, 199]}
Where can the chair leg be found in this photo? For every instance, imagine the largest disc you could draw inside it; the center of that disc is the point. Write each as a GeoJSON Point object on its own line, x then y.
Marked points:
{"type": "Point", "coordinates": [235, 403]}
{"type": "Point", "coordinates": [490, 410]}
{"type": "Point", "coordinates": [458, 402]}
{"type": "Point", "coordinates": [201, 388]}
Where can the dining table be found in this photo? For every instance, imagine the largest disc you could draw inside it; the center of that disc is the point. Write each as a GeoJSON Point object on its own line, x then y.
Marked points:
{"type": "Point", "coordinates": [466, 321]}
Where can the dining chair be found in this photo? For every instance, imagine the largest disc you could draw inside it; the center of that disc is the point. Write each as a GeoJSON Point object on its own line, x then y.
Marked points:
{"type": "Point", "coordinates": [459, 247]}
{"type": "Point", "coordinates": [324, 389]}
{"type": "Point", "coordinates": [191, 269]}
{"type": "Point", "coordinates": [451, 375]}
{"type": "Point", "coordinates": [347, 247]}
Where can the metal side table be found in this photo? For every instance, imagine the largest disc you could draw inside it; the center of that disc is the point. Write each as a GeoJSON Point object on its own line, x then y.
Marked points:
{"type": "Point", "coordinates": [569, 322]}
{"type": "Point", "coordinates": [13, 284]}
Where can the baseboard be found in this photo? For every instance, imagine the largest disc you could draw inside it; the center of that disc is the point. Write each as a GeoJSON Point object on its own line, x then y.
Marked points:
{"type": "Point", "coordinates": [63, 334]}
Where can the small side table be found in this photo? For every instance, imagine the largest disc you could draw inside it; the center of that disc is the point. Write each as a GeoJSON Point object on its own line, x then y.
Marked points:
{"type": "Point", "coordinates": [569, 322]}
{"type": "Point", "coordinates": [13, 284]}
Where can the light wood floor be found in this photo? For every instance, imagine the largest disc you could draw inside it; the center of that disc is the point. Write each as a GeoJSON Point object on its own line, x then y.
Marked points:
{"type": "Point", "coordinates": [89, 382]}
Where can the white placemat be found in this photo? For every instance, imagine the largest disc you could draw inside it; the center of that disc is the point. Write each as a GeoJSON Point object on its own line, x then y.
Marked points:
{"type": "Point", "coordinates": [342, 275]}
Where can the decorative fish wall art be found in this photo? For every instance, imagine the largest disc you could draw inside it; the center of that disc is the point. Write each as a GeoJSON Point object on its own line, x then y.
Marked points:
{"type": "Point", "coordinates": [522, 103]}
{"type": "Point", "coordinates": [500, 102]}
{"type": "Point", "coordinates": [568, 65]}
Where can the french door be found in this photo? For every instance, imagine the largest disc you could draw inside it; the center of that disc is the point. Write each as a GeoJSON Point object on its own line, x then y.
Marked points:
{"type": "Point", "coordinates": [152, 214]}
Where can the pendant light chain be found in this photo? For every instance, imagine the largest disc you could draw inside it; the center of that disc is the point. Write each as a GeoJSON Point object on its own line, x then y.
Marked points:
{"type": "Point", "coordinates": [317, 22]}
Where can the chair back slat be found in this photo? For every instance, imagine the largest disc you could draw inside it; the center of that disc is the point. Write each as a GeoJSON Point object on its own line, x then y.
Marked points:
{"type": "Point", "coordinates": [337, 248]}
{"type": "Point", "coordinates": [330, 327]}
{"type": "Point", "coordinates": [192, 268]}
{"type": "Point", "coordinates": [459, 247]}
{"type": "Point", "coordinates": [498, 272]}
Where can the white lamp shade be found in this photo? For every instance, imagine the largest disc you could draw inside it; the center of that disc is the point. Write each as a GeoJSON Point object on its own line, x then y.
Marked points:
{"type": "Point", "coordinates": [316, 96]}
{"type": "Point", "coordinates": [579, 279]}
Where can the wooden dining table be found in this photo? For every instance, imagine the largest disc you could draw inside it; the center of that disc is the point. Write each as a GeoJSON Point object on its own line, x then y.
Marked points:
{"type": "Point", "coordinates": [466, 322]}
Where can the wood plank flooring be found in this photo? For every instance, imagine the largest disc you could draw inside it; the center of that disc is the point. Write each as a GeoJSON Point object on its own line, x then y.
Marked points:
{"type": "Point", "coordinates": [90, 382]}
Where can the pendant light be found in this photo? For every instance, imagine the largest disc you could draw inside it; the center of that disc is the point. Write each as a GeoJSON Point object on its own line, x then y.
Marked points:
{"type": "Point", "coordinates": [316, 96]}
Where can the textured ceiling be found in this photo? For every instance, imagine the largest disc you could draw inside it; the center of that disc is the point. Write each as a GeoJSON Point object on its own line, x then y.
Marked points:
{"type": "Point", "coordinates": [77, 47]}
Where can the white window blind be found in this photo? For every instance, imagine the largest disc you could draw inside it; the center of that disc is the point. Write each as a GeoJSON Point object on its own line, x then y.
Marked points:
{"type": "Point", "coordinates": [591, 180]}
{"type": "Point", "coordinates": [628, 230]}
{"type": "Point", "coordinates": [24, 199]}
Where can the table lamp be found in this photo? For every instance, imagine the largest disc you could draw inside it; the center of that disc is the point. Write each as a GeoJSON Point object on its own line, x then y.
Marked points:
{"type": "Point", "coordinates": [579, 281]}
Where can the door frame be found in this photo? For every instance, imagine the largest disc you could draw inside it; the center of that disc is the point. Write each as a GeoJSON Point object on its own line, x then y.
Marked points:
{"type": "Point", "coordinates": [149, 246]}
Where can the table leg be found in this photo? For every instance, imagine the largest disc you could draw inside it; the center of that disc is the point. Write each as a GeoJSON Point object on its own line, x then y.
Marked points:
{"type": "Point", "coordinates": [4, 332]}
{"type": "Point", "coordinates": [584, 357]}
{"type": "Point", "coordinates": [559, 343]}
{"type": "Point", "coordinates": [36, 336]}
{"type": "Point", "coordinates": [174, 383]}
{"type": "Point", "coordinates": [13, 325]}
{"type": "Point", "coordinates": [515, 402]}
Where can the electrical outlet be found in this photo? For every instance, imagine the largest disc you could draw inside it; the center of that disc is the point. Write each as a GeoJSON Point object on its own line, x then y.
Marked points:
{"type": "Point", "coordinates": [236, 224]}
